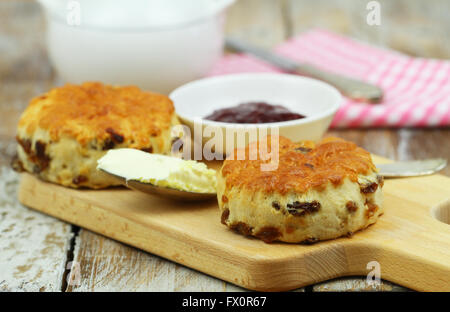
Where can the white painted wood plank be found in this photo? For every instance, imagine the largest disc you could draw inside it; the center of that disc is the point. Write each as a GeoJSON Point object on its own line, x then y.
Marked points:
{"type": "Point", "coordinates": [101, 264]}
{"type": "Point", "coordinates": [33, 247]}
{"type": "Point", "coordinates": [355, 284]}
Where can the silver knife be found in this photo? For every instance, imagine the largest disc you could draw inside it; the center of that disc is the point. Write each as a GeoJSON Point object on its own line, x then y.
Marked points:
{"type": "Point", "coordinates": [352, 88]}
{"type": "Point", "coordinates": [412, 168]}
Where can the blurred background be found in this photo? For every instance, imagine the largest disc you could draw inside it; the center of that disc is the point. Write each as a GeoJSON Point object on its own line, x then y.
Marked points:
{"type": "Point", "coordinates": [415, 27]}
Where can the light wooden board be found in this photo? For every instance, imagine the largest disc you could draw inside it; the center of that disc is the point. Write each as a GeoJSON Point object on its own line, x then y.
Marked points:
{"type": "Point", "coordinates": [412, 248]}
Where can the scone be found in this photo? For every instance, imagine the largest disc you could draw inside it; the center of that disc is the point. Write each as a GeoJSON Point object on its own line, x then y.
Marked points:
{"type": "Point", "coordinates": [64, 132]}
{"type": "Point", "coordinates": [318, 192]}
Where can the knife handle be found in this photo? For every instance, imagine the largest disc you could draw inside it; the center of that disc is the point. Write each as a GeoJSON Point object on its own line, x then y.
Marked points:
{"type": "Point", "coordinates": [352, 88]}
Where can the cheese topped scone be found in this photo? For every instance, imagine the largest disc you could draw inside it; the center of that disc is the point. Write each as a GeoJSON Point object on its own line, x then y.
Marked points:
{"type": "Point", "coordinates": [63, 133]}
{"type": "Point", "coordinates": [317, 192]}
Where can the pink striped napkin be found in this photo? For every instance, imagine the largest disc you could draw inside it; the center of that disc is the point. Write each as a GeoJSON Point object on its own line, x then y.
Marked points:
{"type": "Point", "coordinates": [417, 90]}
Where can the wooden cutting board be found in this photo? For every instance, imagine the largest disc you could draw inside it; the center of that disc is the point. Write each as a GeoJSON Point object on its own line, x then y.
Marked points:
{"type": "Point", "coordinates": [410, 245]}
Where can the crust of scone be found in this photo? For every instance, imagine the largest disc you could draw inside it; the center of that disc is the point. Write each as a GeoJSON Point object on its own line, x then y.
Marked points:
{"type": "Point", "coordinates": [301, 166]}
{"type": "Point", "coordinates": [338, 194]}
{"type": "Point", "coordinates": [64, 132]}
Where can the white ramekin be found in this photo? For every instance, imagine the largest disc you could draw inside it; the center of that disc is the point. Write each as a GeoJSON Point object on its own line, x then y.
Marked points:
{"type": "Point", "coordinates": [316, 100]}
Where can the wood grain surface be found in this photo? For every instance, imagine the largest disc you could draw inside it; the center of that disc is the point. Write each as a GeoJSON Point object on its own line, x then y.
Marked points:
{"type": "Point", "coordinates": [33, 247]}
{"type": "Point", "coordinates": [412, 26]}
{"type": "Point", "coordinates": [410, 246]}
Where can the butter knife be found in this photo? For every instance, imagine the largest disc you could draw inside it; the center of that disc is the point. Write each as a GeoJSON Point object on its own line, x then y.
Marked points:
{"type": "Point", "coordinates": [412, 168]}
{"type": "Point", "coordinates": [352, 88]}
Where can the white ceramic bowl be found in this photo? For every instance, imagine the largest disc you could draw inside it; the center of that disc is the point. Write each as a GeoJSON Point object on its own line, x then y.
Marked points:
{"type": "Point", "coordinates": [314, 99]}
{"type": "Point", "coordinates": [155, 44]}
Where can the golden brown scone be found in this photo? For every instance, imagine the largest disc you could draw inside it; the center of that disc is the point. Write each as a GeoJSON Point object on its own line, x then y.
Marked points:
{"type": "Point", "coordinates": [318, 192]}
{"type": "Point", "coordinates": [64, 132]}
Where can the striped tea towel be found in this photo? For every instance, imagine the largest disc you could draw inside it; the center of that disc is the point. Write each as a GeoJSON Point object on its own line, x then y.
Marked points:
{"type": "Point", "coordinates": [416, 90]}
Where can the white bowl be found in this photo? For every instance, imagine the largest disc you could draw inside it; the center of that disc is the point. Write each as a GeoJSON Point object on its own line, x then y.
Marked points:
{"type": "Point", "coordinates": [157, 45]}
{"type": "Point", "coordinates": [314, 99]}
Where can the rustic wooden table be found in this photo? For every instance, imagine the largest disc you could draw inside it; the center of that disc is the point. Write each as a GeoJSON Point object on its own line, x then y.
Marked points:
{"type": "Point", "coordinates": [39, 253]}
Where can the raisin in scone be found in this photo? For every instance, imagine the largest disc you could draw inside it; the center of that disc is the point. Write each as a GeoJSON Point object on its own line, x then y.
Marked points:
{"type": "Point", "coordinates": [64, 132]}
{"type": "Point", "coordinates": [317, 192]}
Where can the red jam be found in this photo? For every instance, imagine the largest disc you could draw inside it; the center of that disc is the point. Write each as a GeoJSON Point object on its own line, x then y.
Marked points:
{"type": "Point", "coordinates": [253, 113]}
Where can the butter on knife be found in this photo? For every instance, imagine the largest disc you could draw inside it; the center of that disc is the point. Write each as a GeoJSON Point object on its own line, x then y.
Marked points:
{"type": "Point", "coordinates": [159, 170]}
